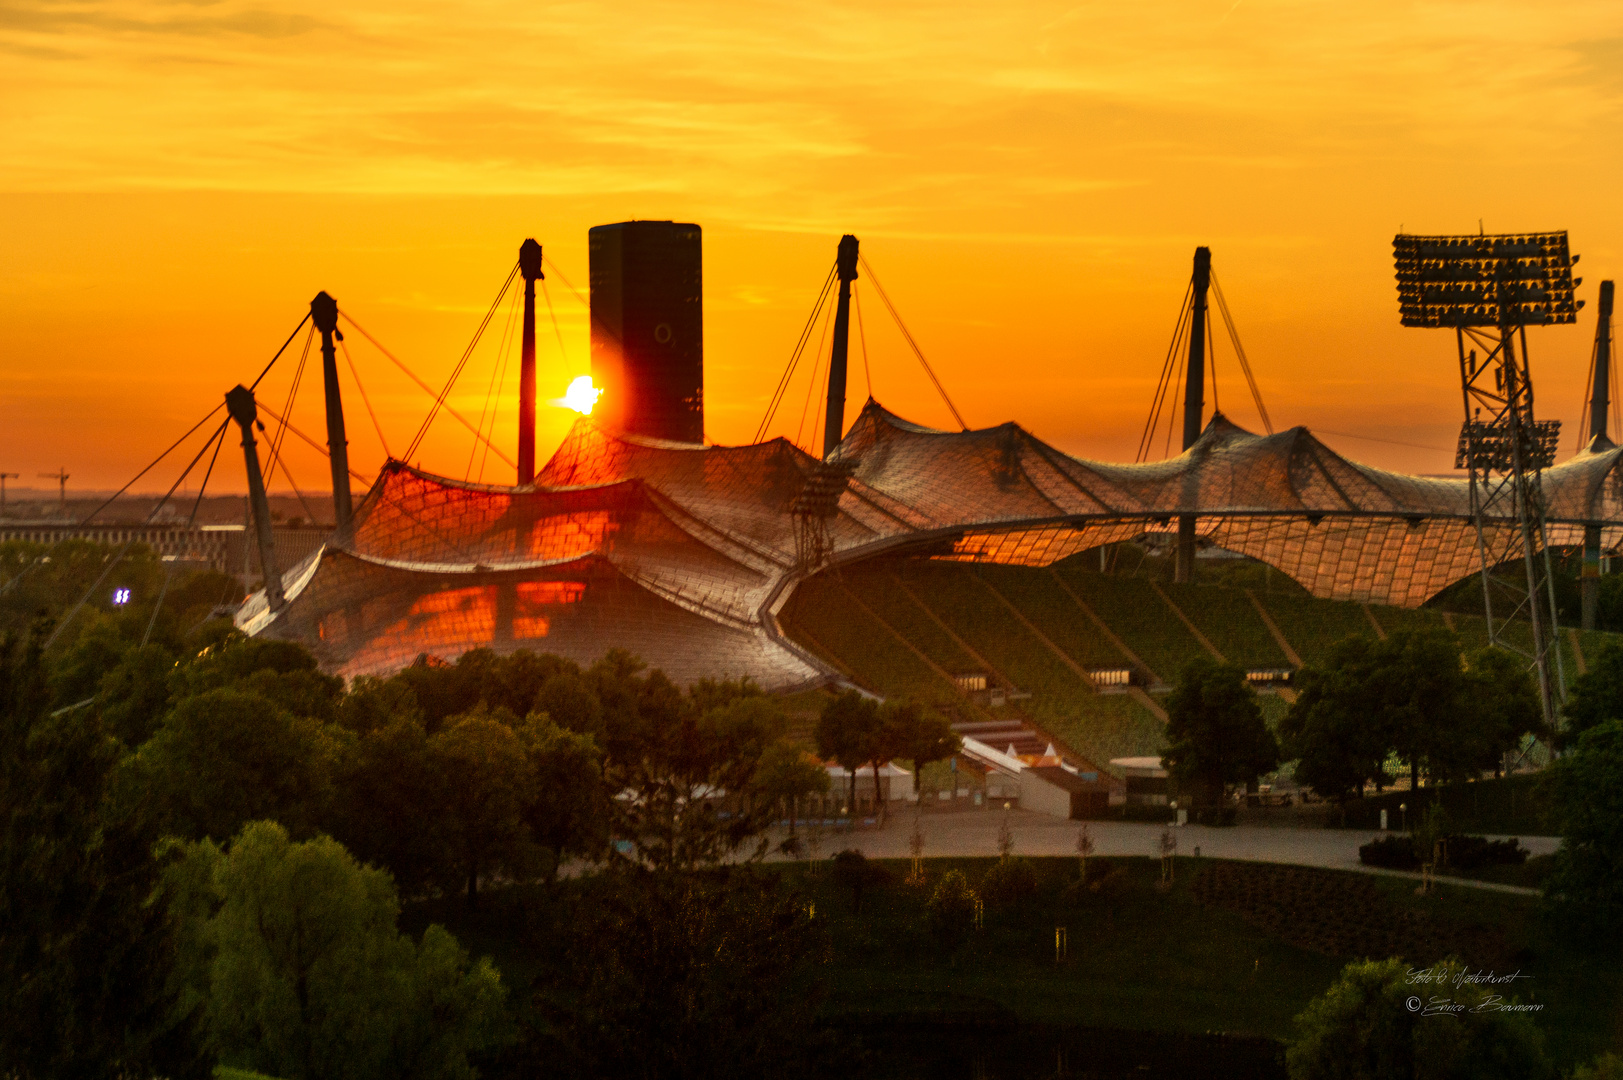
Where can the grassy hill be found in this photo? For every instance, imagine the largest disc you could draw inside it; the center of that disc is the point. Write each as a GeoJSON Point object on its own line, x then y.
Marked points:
{"type": "Point", "coordinates": [1231, 947]}
{"type": "Point", "coordinates": [908, 626]}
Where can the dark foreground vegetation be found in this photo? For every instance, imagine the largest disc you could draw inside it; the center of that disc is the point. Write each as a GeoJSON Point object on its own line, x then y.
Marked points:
{"type": "Point", "coordinates": [1206, 977]}
{"type": "Point", "coordinates": [213, 854]}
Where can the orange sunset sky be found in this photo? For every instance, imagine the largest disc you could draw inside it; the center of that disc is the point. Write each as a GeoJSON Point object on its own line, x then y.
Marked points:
{"type": "Point", "coordinates": [1028, 179]}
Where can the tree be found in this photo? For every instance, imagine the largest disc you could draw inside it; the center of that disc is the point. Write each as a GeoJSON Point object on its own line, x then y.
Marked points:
{"type": "Point", "coordinates": [1363, 1028]}
{"type": "Point", "coordinates": [845, 733]}
{"type": "Point", "coordinates": [854, 873]}
{"type": "Point", "coordinates": [1413, 694]}
{"type": "Point", "coordinates": [708, 694]}
{"type": "Point", "coordinates": [295, 952]}
{"type": "Point", "coordinates": [97, 648]}
{"type": "Point", "coordinates": [716, 975]}
{"type": "Point", "coordinates": [485, 779]}
{"type": "Point", "coordinates": [900, 725]}
{"type": "Point", "coordinates": [519, 679]}
{"type": "Point", "coordinates": [134, 695]}
{"type": "Point", "coordinates": [1332, 730]}
{"type": "Point", "coordinates": [1606, 1067]}
{"type": "Point", "coordinates": [1425, 704]}
{"type": "Point", "coordinates": [226, 757]}
{"type": "Point", "coordinates": [1584, 789]}
{"type": "Point", "coordinates": [388, 805]}
{"type": "Point", "coordinates": [567, 807]}
{"type": "Point", "coordinates": [682, 768]}
{"type": "Point", "coordinates": [1504, 706]}
{"type": "Point", "coordinates": [1216, 732]}
{"type": "Point", "coordinates": [85, 960]}
{"type": "Point", "coordinates": [788, 774]}
{"type": "Point", "coordinates": [240, 661]}
{"type": "Point", "coordinates": [1597, 694]}
{"type": "Point", "coordinates": [921, 735]}
{"type": "Point", "coordinates": [48, 588]}
{"type": "Point", "coordinates": [373, 704]}
{"type": "Point", "coordinates": [950, 911]}
{"type": "Point", "coordinates": [569, 700]}
{"type": "Point", "coordinates": [442, 691]}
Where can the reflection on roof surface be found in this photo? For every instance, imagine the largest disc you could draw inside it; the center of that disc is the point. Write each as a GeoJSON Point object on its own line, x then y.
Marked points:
{"type": "Point", "coordinates": [683, 554]}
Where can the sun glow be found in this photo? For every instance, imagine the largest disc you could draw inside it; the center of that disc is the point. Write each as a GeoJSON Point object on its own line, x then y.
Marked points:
{"type": "Point", "coordinates": [582, 395]}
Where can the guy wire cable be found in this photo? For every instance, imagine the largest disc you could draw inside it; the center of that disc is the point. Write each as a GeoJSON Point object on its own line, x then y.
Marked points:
{"type": "Point", "coordinates": [914, 345]}
{"type": "Point", "coordinates": [439, 402]}
{"type": "Point", "coordinates": [867, 375]}
{"type": "Point", "coordinates": [1211, 355]}
{"type": "Point", "coordinates": [293, 391]}
{"type": "Point", "coordinates": [498, 365]}
{"type": "Point", "coordinates": [811, 387]}
{"type": "Point", "coordinates": [255, 384]}
{"type": "Point", "coordinates": [1239, 349]}
{"type": "Point", "coordinates": [116, 559]}
{"type": "Point", "coordinates": [365, 398]}
{"type": "Point", "coordinates": [191, 520]}
{"type": "Point", "coordinates": [1164, 385]}
{"type": "Point", "coordinates": [504, 355]}
{"type": "Point", "coordinates": [429, 390]}
{"type": "Point", "coordinates": [19, 575]}
{"type": "Point", "coordinates": [794, 357]}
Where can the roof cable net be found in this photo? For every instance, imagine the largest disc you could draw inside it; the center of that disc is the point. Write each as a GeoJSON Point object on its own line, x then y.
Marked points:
{"type": "Point", "coordinates": [682, 553]}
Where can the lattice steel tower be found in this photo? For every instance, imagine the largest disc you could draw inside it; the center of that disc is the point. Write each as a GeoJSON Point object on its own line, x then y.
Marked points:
{"type": "Point", "coordinates": [1488, 290]}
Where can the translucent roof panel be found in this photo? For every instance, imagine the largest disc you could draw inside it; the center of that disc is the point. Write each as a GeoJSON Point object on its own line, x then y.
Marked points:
{"type": "Point", "coordinates": [684, 553]}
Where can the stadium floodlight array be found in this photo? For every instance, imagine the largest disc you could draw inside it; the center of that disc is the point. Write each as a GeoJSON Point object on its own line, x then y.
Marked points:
{"type": "Point", "coordinates": [1518, 279]}
{"type": "Point", "coordinates": [1489, 290]}
{"type": "Point", "coordinates": [1489, 446]}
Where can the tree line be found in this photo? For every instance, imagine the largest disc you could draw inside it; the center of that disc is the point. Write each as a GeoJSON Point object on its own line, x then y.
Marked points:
{"type": "Point", "coordinates": [207, 841]}
{"type": "Point", "coordinates": [1415, 696]}
{"type": "Point", "coordinates": [1450, 716]}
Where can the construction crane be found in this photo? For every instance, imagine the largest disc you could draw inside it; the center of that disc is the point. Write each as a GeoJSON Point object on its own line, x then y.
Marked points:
{"type": "Point", "coordinates": [61, 477]}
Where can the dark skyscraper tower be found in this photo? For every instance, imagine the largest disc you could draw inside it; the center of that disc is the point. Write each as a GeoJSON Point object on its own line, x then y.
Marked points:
{"type": "Point", "coordinates": [648, 328]}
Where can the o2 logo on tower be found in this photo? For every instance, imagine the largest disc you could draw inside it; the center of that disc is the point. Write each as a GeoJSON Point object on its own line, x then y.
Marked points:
{"type": "Point", "coordinates": [121, 596]}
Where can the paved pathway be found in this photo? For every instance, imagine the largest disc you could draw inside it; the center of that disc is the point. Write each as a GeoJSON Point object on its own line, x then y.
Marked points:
{"type": "Point", "coordinates": [975, 832]}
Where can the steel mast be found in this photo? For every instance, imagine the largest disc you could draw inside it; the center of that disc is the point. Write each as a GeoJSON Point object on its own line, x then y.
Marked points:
{"type": "Point", "coordinates": [845, 265]}
{"type": "Point", "coordinates": [529, 263]}
{"type": "Point", "coordinates": [1488, 290]}
{"type": "Point", "coordinates": [239, 402]}
{"type": "Point", "coordinates": [1599, 404]}
{"type": "Point", "coordinates": [324, 313]}
{"type": "Point", "coordinates": [1194, 400]}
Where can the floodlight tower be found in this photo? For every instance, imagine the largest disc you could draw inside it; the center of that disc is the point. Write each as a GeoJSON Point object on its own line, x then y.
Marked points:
{"type": "Point", "coordinates": [1600, 395]}
{"type": "Point", "coordinates": [1488, 290]}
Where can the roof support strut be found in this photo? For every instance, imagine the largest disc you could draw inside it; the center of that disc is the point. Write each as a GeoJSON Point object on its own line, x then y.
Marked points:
{"type": "Point", "coordinates": [324, 313]}
{"type": "Point", "coordinates": [529, 262]}
{"type": "Point", "coordinates": [1599, 404]}
{"type": "Point", "coordinates": [845, 265]}
{"type": "Point", "coordinates": [239, 402]}
{"type": "Point", "coordinates": [1194, 399]}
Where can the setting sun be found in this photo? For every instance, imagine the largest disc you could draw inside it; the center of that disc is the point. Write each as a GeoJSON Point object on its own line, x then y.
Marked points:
{"type": "Point", "coordinates": [582, 395]}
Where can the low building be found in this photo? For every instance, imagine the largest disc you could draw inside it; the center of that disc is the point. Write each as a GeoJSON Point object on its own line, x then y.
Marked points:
{"type": "Point", "coordinates": [1051, 789]}
{"type": "Point", "coordinates": [1147, 782]}
{"type": "Point", "coordinates": [895, 785]}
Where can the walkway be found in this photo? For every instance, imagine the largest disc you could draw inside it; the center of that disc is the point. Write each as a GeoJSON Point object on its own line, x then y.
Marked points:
{"type": "Point", "coordinates": [975, 833]}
